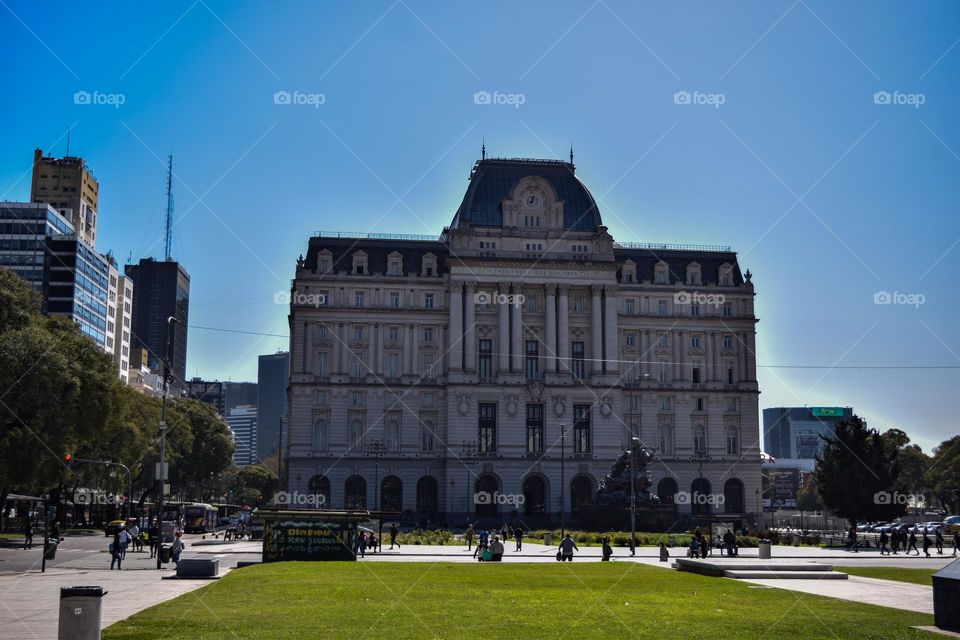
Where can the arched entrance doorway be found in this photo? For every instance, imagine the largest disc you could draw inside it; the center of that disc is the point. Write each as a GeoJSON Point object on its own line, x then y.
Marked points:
{"type": "Point", "coordinates": [355, 493]}
{"type": "Point", "coordinates": [427, 496]}
{"type": "Point", "coordinates": [701, 497]}
{"type": "Point", "coordinates": [391, 494]}
{"type": "Point", "coordinates": [581, 488]}
{"type": "Point", "coordinates": [666, 490]}
{"type": "Point", "coordinates": [733, 496]}
{"type": "Point", "coordinates": [320, 486]}
{"type": "Point", "coordinates": [534, 496]}
{"type": "Point", "coordinates": [485, 496]}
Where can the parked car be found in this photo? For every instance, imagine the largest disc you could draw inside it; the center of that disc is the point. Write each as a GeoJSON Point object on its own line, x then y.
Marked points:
{"type": "Point", "coordinates": [951, 524]}
{"type": "Point", "coordinates": [114, 527]}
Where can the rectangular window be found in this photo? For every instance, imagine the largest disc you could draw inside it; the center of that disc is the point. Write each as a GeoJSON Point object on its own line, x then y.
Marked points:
{"type": "Point", "coordinates": [695, 341]}
{"type": "Point", "coordinates": [664, 368]}
{"type": "Point", "coordinates": [581, 428]}
{"type": "Point", "coordinates": [728, 342]}
{"type": "Point", "coordinates": [661, 307]}
{"type": "Point", "coordinates": [732, 405]}
{"type": "Point", "coordinates": [733, 447]}
{"type": "Point", "coordinates": [701, 403]}
{"type": "Point", "coordinates": [661, 277]}
{"type": "Point", "coordinates": [428, 334]}
{"type": "Point", "coordinates": [427, 438]}
{"type": "Point", "coordinates": [665, 403]}
{"type": "Point", "coordinates": [428, 301]}
{"type": "Point", "coordinates": [487, 433]}
{"type": "Point", "coordinates": [393, 361]}
{"type": "Point", "coordinates": [578, 304]}
{"type": "Point", "coordinates": [320, 398]}
{"type": "Point", "coordinates": [428, 399]}
{"type": "Point", "coordinates": [395, 299]}
{"type": "Point", "coordinates": [321, 363]}
{"type": "Point", "coordinates": [428, 365]}
{"type": "Point", "coordinates": [695, 309]}
{"type": "Point", "coordinates": [358, 333]}
{"type": "Point", "coordinates": [729, 375]}
{"type": "Point", "coordinates": [393, 334]}
{"type": "Point", "coordinates": [630, 307]}
{"type": "Point", "coordinates": [727, 310]}
{"type": "Point", "coordinates": [534, 428]}
{"type": "Point", "coordinates": [576, 355]}
{"type": "Point", "coordinates": [629, 339]}
{"type": "Point", "coordinates": [358, 298]}
{"type": "Point", "coordinates": [356, 398]}
{"type": "Point", "coordinates": [696, 374]}
{"type": "Point", "coordinates": [532, 361]}
{"type": "Point", "coordinates": [393, 269]}
{"type": "Point", "coordinates": [486, 359]}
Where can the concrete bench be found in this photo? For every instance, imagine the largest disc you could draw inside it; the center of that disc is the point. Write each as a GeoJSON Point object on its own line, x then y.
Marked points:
{"type": "Point", "coordinates": [198, 568]}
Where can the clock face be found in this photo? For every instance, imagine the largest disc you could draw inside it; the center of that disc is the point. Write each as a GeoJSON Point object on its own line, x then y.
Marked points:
{"type": "Point", "coordinates": [531, 200]}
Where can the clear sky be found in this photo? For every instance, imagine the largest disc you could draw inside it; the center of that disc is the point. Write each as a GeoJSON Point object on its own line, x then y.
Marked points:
{"type": "Point", "coordinates": [829, 191]}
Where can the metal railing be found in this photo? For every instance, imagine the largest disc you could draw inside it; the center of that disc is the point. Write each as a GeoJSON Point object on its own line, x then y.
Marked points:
{"type": "Point", "coordinates": [367, 235]}
{"type": "Point", "coordinates": [719, 248]}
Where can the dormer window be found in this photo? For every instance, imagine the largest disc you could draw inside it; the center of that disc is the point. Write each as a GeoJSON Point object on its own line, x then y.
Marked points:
{"type": "Point", "coordinates": [394, 264]}
{"type": "Point", "coordinates": [726, 275]}
{"type": "Point", "coordinates": [324, 262]}
{"type": "Point", "coordinates": [428, 265]}
{"type": "Point", "coordinates": [693, 274]}
{"type": "Point", "coordinates": [359, 263]}
{"type": "Point", "coordinates": [660, 275]}
{"type": "Point", "coordinates": [629, 272]}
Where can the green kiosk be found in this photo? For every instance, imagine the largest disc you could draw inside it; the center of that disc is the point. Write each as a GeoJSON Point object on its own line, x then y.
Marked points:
{"type": "Point", "coordinates": [310, 534]}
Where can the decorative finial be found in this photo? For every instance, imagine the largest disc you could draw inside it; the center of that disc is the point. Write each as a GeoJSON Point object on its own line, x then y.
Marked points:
{"type": "Point", "coordinates": [483, 150]}
{"type": "Point", "coordinates": [571, 152]}
{"type": "Point", "coordinates": [748, 275]}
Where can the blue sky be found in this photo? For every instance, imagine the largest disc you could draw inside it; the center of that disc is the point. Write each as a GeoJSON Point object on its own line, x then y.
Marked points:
{"type": "Point", "coordinates": [828, 195]}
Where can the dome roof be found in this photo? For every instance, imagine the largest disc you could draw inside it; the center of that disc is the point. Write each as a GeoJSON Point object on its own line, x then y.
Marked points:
{"type": "Point", "coordinates": [491, 181]}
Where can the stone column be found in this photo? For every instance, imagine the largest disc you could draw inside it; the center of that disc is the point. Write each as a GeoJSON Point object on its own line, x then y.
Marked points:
{"type": "Point", "coordinates": [470, 330]}
{"type": "Point", "coordinates": [309, 329]}
{"type": "Point", "coordinates": [563, 330]}
{"type": "Point", "coordinates": [742, 350]}
{"type": "Point", "coordinates": [346, 354]}
{"type": "Point", "coordinates": [371, 349]}
{"type": "Point", "coordinates": [644, 353]}
{"type": "Point", "coordinates": [596, 331]}
{"type": "Point", "coordinates": [380, 366]}
{"type": "Point", "coordinates": [551, 329]}
{"type": "Point", "coordinates": [718, 373]}
{"type": "Point", "coordinates": [456, 327]}
{"type": "Point", "coordinates": [708, 356]}
{"type": "Point", "coordinates": [611, 332]}
{"type": "Point", "coordinates": [752, 356]}
{"type": "Point", "coordinates": [516, 332]}
{"type": "Point", "coordinates": [503, 331]}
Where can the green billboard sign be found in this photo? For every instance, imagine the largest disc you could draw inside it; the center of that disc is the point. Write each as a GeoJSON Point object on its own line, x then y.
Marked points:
{"type": "Point", "coordinates": [827, 412]}
{"type": "Point", "coordinates": [310, 534]}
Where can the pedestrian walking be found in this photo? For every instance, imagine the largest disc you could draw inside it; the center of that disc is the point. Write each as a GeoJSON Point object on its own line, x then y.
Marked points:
{"type": "Point", "coordinates": [393, 535]}
{"type": "Point", "coordinates": [926, 543]}
{"type": "Point", "coordinates": [135, 536]}
{"type": "Point", "coordinates": [567, 547]}
{"type": "Point", "coordinates": [116, 557]}
{"type": "Point", "coordinates": [894, 541]}
{"type": "Point", "coordinates": [956, 542]}
{"type": "Point", "coordinates": [852, 539]}
{"type": "Point", "coordinates": [607, 550]}
{"type": "Point", "coordinates": [177, 549]}
{"type": "Point", "coordinates": [883, 543]}
{"type": "Point", "coordinates": [912, 543]}
{"type": "Point", "coordinates": [28, 534]}
{"type": "Point", "coordinates": [496, 550]}
{"type": "Point", "coordinates": [518, 536]}
{"type": "Point", "coordinates": [468, 535]}
{"type": "Point", "coordinates": [362, 544]}
{"type": "Point", "coordinates": [664, 552]}
{"type": "Point", "coordinates": [730, 542]}
{"type": "Point", "coordinates": [154, 540]}
{"type": "Point", "coordinates": [694, 550]}
{"type": "Point", "coordinates": [939, 540]}
{"type": "Point", "coordinates": [125, 540]}
{"type": "Point", "coordinates": [55, 532]}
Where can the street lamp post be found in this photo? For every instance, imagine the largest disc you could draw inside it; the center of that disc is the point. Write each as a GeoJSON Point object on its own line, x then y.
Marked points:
{"type": "Point", "coordinates": [468, 451]}
{"type": "Point", "coordinates": [563, 480]}
{"type": "Point", "coordinates": [376, 448]}
{"type": "Point", "coordinates": [171, 321]}
{"type": "Point", "coordinates": [633, 500]}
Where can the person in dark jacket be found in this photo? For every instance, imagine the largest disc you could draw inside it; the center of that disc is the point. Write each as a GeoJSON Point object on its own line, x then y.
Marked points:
{"type": "Point", "coordinates": [939, 541]}
{"type": "Point", "coordinates": [926, 543]}
{"type": "Point", "coordinates": [883, 543]}
{"type": "Point", "coordinates": [393, 535]}
{"type": "Point", "coordinates": [518, 536]}
{"type": "Point", "coordinates": [28, 534]}
{"type": "Point", "coordinates": [116, 553]}
{"type": "Point", "coordinates": [912, 543]}
{"type": "Point", "coordinates": [607, 550]}
{"type": "Point", "coordinates": [567, 547]}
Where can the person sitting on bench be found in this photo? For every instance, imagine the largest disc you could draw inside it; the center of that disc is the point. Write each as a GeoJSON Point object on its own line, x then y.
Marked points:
{"type": "Point", "coordinates": [496, 550]}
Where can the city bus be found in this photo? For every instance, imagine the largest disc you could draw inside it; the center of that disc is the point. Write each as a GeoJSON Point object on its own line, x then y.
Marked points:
{"type": "Point", "coordinates": [199, 518]}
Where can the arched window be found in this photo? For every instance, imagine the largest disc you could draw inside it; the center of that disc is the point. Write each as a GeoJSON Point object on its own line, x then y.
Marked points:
{"type": "Point", "coordinates": [693, 274]}
{"type": "Point", "coordinates": [701, 497]}
{"type": "Point", "coordinates": [534, 496]}
{"type": "Point", "coordinates": [356, 434]}
{"type": "Point", "coordinates": [485, 495]}
{"type": "Point", "coordinates": [391, 436]}
{"type": "Point", "coordinates": [699, 440]}
{"type": "Point", "coordinates": [320, 435]}
{"type": "Point", "coordinates": [733, 496]}
{"type": "Point", "coordinates": [320, 486]}
{"type": "Point", "coordinates": [391, 494]}
{"type": "Point", "coordinates": [355, 493]}
{"type": "Point", "coordinates": [666, 440]}
{"type": "Point", "coordinates": [733, 440]}
{"type": "Point", "coordinates": [581, 488]}
{"type": "Point", "coordinates": [427, 495]}
{"type": "Point", "coordinates": [666, 490]}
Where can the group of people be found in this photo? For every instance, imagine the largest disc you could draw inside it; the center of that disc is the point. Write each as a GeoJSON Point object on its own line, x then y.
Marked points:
{"type": "Point", "coordinates": [701, 547]}
{"type": "Point", "coordinates": [484, 538]}
{"type": "Point", "coordinates": [130, 533]}
{"type": "Point", "coordinates": [369, 540]}
{"type": "Point", "coordinates": [899, 540]}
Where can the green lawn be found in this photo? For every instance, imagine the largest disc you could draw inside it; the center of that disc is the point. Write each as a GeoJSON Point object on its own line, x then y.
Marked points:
{"type": "Point", "coordinates": [398, 600]}
{"type": "Point", "coordinates": [916, 576]}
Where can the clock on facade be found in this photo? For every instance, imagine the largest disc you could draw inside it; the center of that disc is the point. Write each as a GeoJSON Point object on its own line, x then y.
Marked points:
{"type": "Point", "coordinates": [531, 200]}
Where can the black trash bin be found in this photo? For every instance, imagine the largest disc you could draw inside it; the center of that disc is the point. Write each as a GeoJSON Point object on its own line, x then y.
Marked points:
{"type": "Point", "coordinates": [50, 550]}
{"type": "Point", "coordinates": [80, 614]}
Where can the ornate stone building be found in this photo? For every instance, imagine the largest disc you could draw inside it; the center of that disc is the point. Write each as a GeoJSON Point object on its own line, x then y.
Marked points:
{"type": "Point", "coordinates": [514, 356]}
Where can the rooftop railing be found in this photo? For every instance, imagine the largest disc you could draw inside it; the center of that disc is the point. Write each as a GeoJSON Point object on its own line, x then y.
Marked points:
{"type": "Point", "coordinates": [367, 235]}
{"type": "Point", "coordinates": [675, 247]}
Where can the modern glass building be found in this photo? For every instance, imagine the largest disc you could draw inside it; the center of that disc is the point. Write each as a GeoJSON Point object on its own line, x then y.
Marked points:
{"type": "Point", "coordinates": [161, 289]}
{"type": "Point", "coordinates": [25, 228]}
{"type": "Point", "coordinates": [78, 286]}
{"type": "Point", "coordinates": [272, 373]}
{"type": "Point", "coordinates": [794, 432]}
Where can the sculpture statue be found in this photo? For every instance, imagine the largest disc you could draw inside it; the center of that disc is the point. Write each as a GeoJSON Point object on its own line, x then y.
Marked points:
{"type": "Point", "coordinates": [614, 489]}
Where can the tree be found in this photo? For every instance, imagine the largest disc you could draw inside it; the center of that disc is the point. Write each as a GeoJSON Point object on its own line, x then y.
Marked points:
{"type": "Point", "coordinates": [252, 482]}
{"type": "Point", "coordinates": [943, 475]}
{"type": "Point", "coordinates": [914, 464]}
{"type": "Point", "coordinates": [200, 445]}
{"type": "Point", "coordinates": [808, 499]}
{"type": "Point", "coordinates": [857, 475]}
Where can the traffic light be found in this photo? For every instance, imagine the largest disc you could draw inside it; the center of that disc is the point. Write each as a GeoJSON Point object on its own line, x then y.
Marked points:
{"type": "Point", "coordinates": [68, 459]}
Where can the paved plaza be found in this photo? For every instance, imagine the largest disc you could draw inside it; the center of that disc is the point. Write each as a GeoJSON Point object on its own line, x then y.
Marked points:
{"type": "Point", "coordinates": [30, 598]}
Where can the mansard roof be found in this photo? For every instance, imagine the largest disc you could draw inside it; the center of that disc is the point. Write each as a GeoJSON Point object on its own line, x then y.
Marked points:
{"type": "Point", "coordinates": [492, 180]}
{"type": "Point", "coordinates": [377, 251]}
{"type": "Point", "coordinates": [677, 262]}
